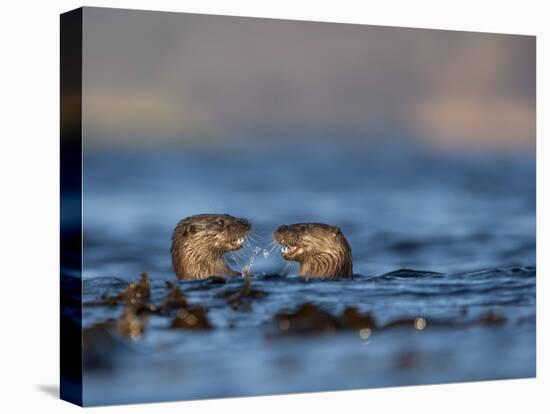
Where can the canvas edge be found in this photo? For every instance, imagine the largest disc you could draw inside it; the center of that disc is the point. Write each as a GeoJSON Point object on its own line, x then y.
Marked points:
{"type": "Point", "coordinates": [71, 206]}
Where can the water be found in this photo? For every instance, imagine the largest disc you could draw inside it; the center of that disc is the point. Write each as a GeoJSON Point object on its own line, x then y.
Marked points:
{"type": "Point", "coordinates": [469, 218]}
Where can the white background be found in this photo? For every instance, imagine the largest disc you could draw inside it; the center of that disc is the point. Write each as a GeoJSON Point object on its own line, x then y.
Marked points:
{"type": "Point", "coordinates": [29, 169]}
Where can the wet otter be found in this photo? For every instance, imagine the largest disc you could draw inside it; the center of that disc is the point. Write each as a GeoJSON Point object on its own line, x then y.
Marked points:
{"type": "Point", "coordinates": [199, 243]}
{"type": "Point", "coordinates": [321, 250]}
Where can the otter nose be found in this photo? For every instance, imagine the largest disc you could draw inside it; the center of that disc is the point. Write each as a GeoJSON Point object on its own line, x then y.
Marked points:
{"type": "Point", "coordinates": [283, 227]}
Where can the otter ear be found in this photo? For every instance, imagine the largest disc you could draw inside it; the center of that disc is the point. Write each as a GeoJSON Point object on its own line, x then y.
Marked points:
{"type": "Point", "coordinates": [192, 229]}
{"type": "Point", "coordinates": [336, 231]}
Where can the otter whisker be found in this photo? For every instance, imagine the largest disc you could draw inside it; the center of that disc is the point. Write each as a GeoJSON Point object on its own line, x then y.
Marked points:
{"type": "Point", "coordinates": [238, 254]}
{"type": "Point", "coordinates": [273, 248]}
{"type": "Point", "coordinates": [240, 261]}
{"type": "Point", "coordinates": [272, 243]}
{"type": "Point", "coordinates": [254, 240]}
{"type": "Point", "coordinates": [251, 242]}
{"type": "Point", "coordinates": [286, 269]}
{"type": "Point", "coordinates": [233, 260]}
{"type": "Point", "coordinates": [252, 237]}
{"type": "Point", "coordinates": [264, 239]}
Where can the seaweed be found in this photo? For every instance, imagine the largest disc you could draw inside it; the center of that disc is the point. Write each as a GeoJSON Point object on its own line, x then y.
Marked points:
{"type": "Point", "coordinates": [192, 317]}
{"type": "Point", "coordinates": [309, 318]}
{"type": "Point", "coordinates": [491, 318]}
{"type": "Point", "coordinates": [174, 299]}
{"type": "Point", "coordinates": [353, 319]}
{"type": "Point", "coordinates": [243, 295]}
{"type": "Point", "coordinates": [135, 294]}
{"type": "Point", "coordinates": [131, 323]}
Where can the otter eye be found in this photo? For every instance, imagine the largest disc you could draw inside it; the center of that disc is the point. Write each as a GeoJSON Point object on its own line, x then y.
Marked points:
{"type": "Point", "coordinates": [220, 222]}
{"type": "Point", "coordinates": [303, 228]}
{"type": "Point", "coordinates": [192, 229]}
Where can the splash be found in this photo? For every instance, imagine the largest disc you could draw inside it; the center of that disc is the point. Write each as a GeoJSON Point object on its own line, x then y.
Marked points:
{"type": "Point", "coordinates": [247, 269]}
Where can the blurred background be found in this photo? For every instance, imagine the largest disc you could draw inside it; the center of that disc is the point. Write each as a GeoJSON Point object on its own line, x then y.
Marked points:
{"type": "Point", "coordinates": [197, 81]}
{"type": "Point", "coordinates": [419, 144]}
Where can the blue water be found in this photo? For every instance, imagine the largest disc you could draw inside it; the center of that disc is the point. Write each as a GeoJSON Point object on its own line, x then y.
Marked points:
{"type": "Point", "coordinates": [469, 217]}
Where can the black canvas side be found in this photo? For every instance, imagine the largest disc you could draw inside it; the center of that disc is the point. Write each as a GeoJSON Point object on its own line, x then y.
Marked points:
{"type": "Point", "coordinates": [71, 206]}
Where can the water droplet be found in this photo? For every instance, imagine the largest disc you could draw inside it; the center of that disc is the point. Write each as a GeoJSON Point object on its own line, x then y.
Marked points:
{"type": "Point", "coordinates": [420, 323]}
{"type": "Point", "coordinates": [364, 333]}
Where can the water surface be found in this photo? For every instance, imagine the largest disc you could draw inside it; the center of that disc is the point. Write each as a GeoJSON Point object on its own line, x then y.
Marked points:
{"type": "Point", "coordinates": [468, 219]}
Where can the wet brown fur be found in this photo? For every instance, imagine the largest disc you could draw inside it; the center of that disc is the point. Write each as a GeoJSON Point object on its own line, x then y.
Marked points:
{"type": "Point", "coordinates": [321, 250]}
{"type": "Point", "coordinates": [199, 243]}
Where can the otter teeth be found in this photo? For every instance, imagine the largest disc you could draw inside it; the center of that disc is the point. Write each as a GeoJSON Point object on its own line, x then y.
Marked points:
{"type": "Point", "coordinates": [288, 249]}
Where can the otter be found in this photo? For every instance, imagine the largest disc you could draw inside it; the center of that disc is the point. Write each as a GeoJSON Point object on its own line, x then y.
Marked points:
{"type": "Point", "coordinates": [199, 243]}
{"type": "Point", "coordinates": [321, 250]}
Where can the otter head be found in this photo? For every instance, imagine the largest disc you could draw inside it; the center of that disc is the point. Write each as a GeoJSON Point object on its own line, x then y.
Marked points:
{"type": "Point", "coordinates": [320, 249]}
{"type": "Point", "coordinates": [199, 243]}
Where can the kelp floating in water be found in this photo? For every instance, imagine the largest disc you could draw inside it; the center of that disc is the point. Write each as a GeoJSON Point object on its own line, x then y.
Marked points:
{"type": "Point", "coordinates": [135, 294]}
{"type": "Point", "coordinates": [132, 323]}
{"type": "Point", "coordinates": [174, 299]}
{"type": "Point", "coordinates": [492, 318]}
{"type": "Point", "coordinates": [187, 316]}
{"type": "Point", "coordinates": [242, 295]}
{"type": "Point", "coordinates": [311, 319]}
{"type": "Point", "coordinates": [192, 317]}
{"type": "Point", "coordinates": [308, 318]}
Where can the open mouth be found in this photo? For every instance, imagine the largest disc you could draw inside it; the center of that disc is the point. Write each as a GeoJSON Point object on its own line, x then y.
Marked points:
{"type": "Point", "coordinates": [238, 241]}
{"type": "Point", "coordinates": [288, 249]}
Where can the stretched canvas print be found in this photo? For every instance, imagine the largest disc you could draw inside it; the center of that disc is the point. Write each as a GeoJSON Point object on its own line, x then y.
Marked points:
{"type": "Point", "coordinates": [259, 206]}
